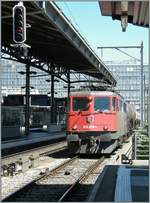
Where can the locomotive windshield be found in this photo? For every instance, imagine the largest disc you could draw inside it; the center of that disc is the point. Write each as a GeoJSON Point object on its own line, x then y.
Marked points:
{"type": "Point", "coordinates": [80, 104]}
{"type": "Point", "coordinates": [102, 104]}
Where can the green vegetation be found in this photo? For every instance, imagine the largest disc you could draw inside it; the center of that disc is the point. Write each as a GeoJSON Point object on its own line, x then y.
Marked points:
{"type": "Point", "coordinates": [142, 143]}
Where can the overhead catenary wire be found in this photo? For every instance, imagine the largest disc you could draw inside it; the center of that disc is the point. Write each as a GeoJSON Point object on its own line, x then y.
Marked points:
{"type": "Point", "coordinates": [127, 54]}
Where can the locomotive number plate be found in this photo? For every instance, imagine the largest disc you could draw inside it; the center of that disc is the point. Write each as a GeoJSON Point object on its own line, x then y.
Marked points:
{"type": "Point", "coordinates": [89, 126]}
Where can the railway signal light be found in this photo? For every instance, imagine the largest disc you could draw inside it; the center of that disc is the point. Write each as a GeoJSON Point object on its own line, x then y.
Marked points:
{"type": "Point", "coordinates": [19, 23]}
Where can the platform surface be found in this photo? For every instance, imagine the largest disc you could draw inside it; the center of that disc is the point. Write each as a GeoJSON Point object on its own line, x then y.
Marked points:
{"type": "Point", "coordinates": [122, 183]}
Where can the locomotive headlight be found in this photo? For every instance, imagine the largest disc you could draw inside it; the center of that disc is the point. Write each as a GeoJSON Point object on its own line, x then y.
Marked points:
{"type": "Point", "coordinates": [74, 127]}
{"type": "Point", "coordinates": [90, 99]}
{"type": "Point", "coordinates": [105, 127]}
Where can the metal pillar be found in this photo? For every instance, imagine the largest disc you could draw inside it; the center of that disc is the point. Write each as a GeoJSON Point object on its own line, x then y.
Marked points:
{"type": "Point", "coordinates": [144, 91]}
{"type": "Point", "coordinates": [141, 102]}
{"type": "Point", "coordinates": [1, 97]}
{"type": "Point", "coordinates": [52, 99]}
{"type": "Point", "coordinates": [141, 106]}
{"type": "Point", "coordinates": [68, 77]}
{"type": "Point", "coordinates": [147, 104]}
{"type": "Point", "coordinates": [148, 95]}
{"type": "Point", "coordinates": [27, 108]}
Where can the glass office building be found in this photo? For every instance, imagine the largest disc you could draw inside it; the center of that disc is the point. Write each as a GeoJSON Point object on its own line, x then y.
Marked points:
{"type": "Point", "coordinates": [128, 77]}
{"type": "Point", "coordinates": [13, 80]}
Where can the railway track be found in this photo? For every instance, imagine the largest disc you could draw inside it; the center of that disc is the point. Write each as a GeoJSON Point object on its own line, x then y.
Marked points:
{"type": "Point", "coordinates": [78, 191]}
{"type": "Point", "coordinates": [42, 150]}
{"type": "Point", "coordinates": [59, 184]}
{"type": "Point", "coordinates": [28, 158]}
{"type": "Point", "coordinates": [82, 189]}
{"type": "Point", "coordinates": [13, 147]}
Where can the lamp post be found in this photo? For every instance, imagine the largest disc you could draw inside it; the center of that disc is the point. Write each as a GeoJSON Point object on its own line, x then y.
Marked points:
{"type": "Point", "coordinates": [27, 106]}
{"type": "Point", "coordinates": [52, 80]}
{"type": "Point", "coordinates": [142, 112]}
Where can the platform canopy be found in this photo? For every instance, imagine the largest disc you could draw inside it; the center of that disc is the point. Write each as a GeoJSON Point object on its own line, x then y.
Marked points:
{"type": "Point", "coordinates": [137, 12]}
{"type": "Point", "coordinates": [54, 40]}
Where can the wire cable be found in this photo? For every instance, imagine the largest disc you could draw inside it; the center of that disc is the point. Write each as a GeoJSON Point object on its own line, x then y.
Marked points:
{"type": "Point", "coordinates": [127, 54]}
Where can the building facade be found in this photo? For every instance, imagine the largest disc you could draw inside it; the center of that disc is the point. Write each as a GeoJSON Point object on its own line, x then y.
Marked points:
{"type": "Point", "coordinates": [13, 80]}
{"type": "Point", "coordinates": [128, 77]}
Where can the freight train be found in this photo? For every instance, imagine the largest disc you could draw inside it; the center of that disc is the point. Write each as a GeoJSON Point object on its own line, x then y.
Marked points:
{"type": "Point", "coordinates": [98, 121]}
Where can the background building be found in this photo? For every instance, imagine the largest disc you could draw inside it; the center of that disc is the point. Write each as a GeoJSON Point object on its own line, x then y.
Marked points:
{"type": "Point", "coordinates": [128, 78]}
{"type": "Point", "coordinates": [13, 80]}
{"type": "Point", "coordinates": [127, 74]}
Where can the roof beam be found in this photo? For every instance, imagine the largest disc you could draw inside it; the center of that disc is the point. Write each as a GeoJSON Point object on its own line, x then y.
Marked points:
{"type": "Point", "coordinates": [74, 37]}
{"type": "Point", "coordinates": [77, 56]}
{"type": "Point", "coordinates": [28, 14]}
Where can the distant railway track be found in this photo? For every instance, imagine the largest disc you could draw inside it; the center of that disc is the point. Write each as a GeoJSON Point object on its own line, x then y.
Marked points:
{"type": "Point", "coordinates": [58, 184]}
{"type": "Point", "coordinates": [18, 148]}
{"type": "Point", "coordinates": [31, 155]}
{"type": "Point", "coordinates": [42, 150]}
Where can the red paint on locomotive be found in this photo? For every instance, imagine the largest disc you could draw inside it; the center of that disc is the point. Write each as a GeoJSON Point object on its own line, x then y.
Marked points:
{"type": "Point", "coordinates": [97, 121]}
{"type": "Point", "coordinates": [90, 119]}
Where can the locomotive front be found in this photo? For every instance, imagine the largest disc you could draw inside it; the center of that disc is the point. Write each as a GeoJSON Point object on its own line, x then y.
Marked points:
{"type": "Point", "coordinates": [90, 120]}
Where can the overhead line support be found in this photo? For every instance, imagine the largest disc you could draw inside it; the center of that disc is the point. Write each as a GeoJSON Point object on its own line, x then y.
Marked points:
{"type": "Point", "coordinates": [141, 52]}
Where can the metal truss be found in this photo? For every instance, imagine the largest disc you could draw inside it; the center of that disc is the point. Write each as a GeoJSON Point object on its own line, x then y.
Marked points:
{"type": "Point", "coordinates": [60, 72]}
{"type": "Point", "coordinates": [11, 53]}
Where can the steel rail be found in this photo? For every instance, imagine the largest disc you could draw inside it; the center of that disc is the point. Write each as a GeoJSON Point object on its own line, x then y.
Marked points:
{"type": "Point", "coordinates": [83, 177]}
{"type": "Point", "coordinates": [69, 191]}
{"type": "Point", "coordinates": [32, 150]}
{"type": "Point", "coordinates": [45, 175]}
{"type": "Point", "coordinates": [61, 166]}
{"type": "Point", "coordinates": [53, 151]}
{"type": "Point", "coordinates": [29, 157]}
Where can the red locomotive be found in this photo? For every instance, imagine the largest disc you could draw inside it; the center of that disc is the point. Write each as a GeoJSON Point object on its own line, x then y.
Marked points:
{"type": "Point", "coordinates": [97, 121]}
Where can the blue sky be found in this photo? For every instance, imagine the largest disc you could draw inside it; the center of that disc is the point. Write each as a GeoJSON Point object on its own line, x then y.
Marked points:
{"type": "Point", "coordinates": [103, 31]}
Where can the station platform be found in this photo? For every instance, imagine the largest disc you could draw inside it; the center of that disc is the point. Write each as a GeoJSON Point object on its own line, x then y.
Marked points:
{"type": "Point", "coordinates": [122, 183]}
{"type": "Point", "coordinates": [32, 138]}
